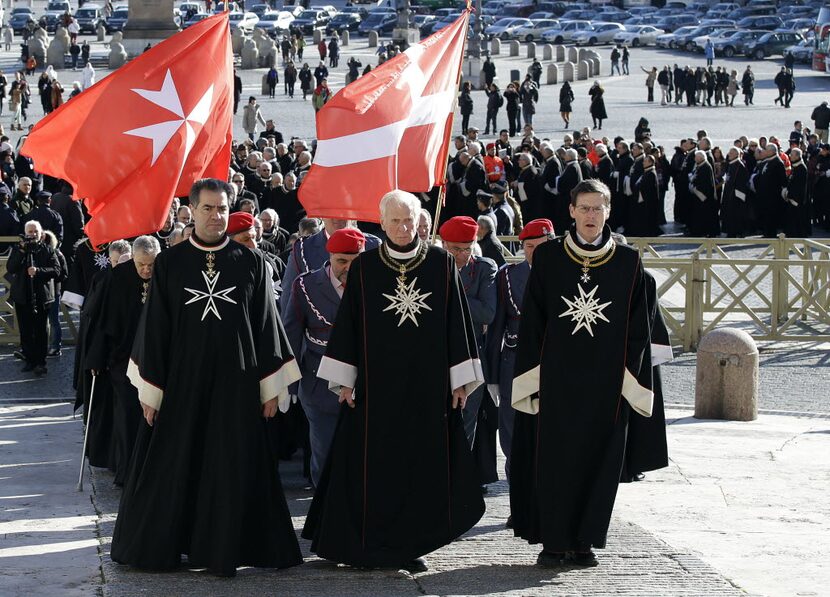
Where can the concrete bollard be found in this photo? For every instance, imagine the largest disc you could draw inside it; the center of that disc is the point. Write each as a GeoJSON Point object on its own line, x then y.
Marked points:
{"type": "Point", "coordinates": [317, 36]}
{"type": "Point", "coordinates": [582, 70]}
{"type": "Point", "coordinates": [547, 52]}
{"type": "Point", "coordinates": [553, 74]}
{"type": "Point", "coordinates": [344, 37]}
{"type": "Point", "coordinates": [568, 71]}
{"type": "Point", "coordinates": [265, 89]}
{"type": "Point", "coordinates": [531, 50]}
{"type": "Point", "coordinates": [584, 53]}
{"type": "Point", "coordinates": [594, 67]}
{"type": "Point", "coordinates": [573, 55]}
{"type": "Point", "coordinates": [495, 46]}
{"type": "Point", "coordinates": [726, 385]}
{"type": "Point", "coordinates": [514, 48]}
{"type": "Point", "coordinates": [100, 33]}
{"type": "Point", "coordinates": [560, 53]}
{"type": "Point", "coordinates": [373, 39]}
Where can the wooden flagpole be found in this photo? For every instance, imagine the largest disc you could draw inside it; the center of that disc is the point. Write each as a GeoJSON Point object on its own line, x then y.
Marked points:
{"type": "Point", "coordinates": [442, 190]}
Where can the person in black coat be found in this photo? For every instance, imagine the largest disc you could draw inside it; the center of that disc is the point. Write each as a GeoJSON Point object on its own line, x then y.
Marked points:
{"type": "Point", "coordinates": [769, 180]}
{"type": "Point", "coordinates": [494, 102]}
{"type": "Point", "coordinates": [643, 211]}
{"type": "Point", "coordinates": [704, 204]}
{"type": "Point", "coordinates": [566, 98]}
{"type": "Point", "coordinates": [598, 113]}
{"type": "Point", "coordinates": [604, 168]}
{"type": "Point", "coordinates": [565, 183]}
{"type": "Point", "coordinates": [72, 216]}
{"type": "Point", "coordinates": [49, 219]}
{"type": "Point", "coordinates": [797, 223]}
{"type": "Point", "coordinates": [514, 119]}
{"type": "Point", "coordinates": [734, 207]}
{"type": "Point", "coordinates": [34, 266]}
{"type": "Point", "coordinates": [465, 106]}
{"type": "Point", "coordinates": [489, 69]}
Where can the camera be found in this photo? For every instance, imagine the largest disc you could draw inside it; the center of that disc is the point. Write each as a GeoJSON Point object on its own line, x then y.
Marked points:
{"type": "Point", "coordinates": [28, 244]}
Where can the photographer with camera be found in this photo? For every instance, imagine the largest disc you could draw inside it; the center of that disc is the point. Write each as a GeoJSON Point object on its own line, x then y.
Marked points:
{"type": "Point", "coordinates": [34, 267]}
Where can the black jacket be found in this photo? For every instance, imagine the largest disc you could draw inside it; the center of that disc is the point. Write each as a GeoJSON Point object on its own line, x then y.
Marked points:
{"type": "Point", "coordinates": [43, 284]}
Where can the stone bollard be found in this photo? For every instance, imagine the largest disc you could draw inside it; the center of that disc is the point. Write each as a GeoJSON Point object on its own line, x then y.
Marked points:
{"type": "Point", "coordinates": [100, 33]}
{"type": "Point", "coordinates": [560, 53]}
{"type": "Point", "coordinates": [553, 74]}
{"type": "Point", "coordinates": [118, 55]}
{"type": "Point", "coordinates": [594, 67]}
{"type": "Point", "coordinates": [317, 36]}
{"type": "Point", "coordinates": [250, 54]}
{"type": "Point", "coordinates": [547, 52]}
{"type": "Point", "coordinates": [573, 55]}
{"type": "Point", "coordinates": [514, 48]}
{"type": "Point", "coordinates": [568, 71]}
{"type": "Point", "coordinates": [344, 38]}
{"type": "Point", "coordinates": [495, 46]}
{"type": "Point", "coordinates": [726, 385]}
{"type": "Point", "coordinates": [237, 39]}
{"type": "Point", "coordinates": [582, 70]}
{"type": "Point", "coordinates": [531, 50]}
{"type": "Point", "coordinates": [265, 89]}
{"type": "Point", "coordinates": [373, 39]}
{"type": "Point", "coordinates": [584, 53]}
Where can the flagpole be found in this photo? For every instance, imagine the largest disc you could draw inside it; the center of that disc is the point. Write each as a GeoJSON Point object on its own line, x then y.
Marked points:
{"type": "Point", "coordinates": [442, 190]}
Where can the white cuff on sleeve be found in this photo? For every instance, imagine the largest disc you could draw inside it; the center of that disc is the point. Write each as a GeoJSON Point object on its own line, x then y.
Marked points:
{"type": "Point", "coordinates": [72, 300]}
{"type": "Point", "coordinates": [337, 373]}
{"type": "Point", "coordinates": [640, 399]}
{"type": "Point", "coordinates": [467, 375]}
{"type": "Point", "coordinates": [147, 393]}
{"type": "Point", "coordinates": [276, 384]}
{"type": "Point", "coordinates": [660, 353]}
{"type": "Point", "coordinates": [524, 387]}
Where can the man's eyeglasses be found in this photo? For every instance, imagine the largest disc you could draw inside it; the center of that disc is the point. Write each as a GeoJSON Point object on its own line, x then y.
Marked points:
{"type": "Point", "coordinates": [460, 250]}
{"type": "Point", "coordinates": [586, 209]}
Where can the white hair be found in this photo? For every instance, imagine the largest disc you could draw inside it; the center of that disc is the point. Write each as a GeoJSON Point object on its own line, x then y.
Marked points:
{"type": "Point", "coordinates": [148, 245]}
{"type": "Point", "coordinates": [306, 155]}
{"type": "Point", "coordinates": [601, 147]}
{"type": "Point", "coordinates": [699, 153]}
{"type": "Point", "coordinates": [121, 247]}
{"type": "Point", "coordinates": [398, 197]}
{"type": "Point", "coordinates": [488, 222]}
{"type": "Point", "coordinates": [272, 213]}
{"type": "Point", "coordinates": [571, 154]}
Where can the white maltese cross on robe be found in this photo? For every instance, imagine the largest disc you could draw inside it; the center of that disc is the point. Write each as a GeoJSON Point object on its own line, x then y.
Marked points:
{"type": "Point", "coordinates": [585, 310]}
{"type": "Point", "coordinates": [211, 295]}
{"type": "Point", "coordinates": [407, 302]}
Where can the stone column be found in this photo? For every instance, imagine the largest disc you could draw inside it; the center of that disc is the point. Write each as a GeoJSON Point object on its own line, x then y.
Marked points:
{"type": "Point", "coordinates": [149, 22]}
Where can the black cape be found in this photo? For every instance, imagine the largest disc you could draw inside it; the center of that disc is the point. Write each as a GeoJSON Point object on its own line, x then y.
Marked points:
{"type": "Point", "coordinates": [400, 480]}
{"type": "Point", "coordinates": [203, 480]}
{"type": "Point", "coordinates": [566, 459]}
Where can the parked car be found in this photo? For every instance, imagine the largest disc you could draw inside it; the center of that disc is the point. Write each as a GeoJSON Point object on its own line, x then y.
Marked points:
{"type": "Point", "coordinates": [505, 28]}
{"type": "Point", "coordinates": [576, 14]}
{"type": "Point", "coordinates": [344, 21]}
{"type": "Point", "coordinates": [541, 14]}
{"type": "Point", "coordinates": [54, 12]}
{"type": "Point", "coordinates": [381, 22]}
{"type": "Point", "coordinates": [598, 33]}
{"type": "Point", "coordinates": [565, 31]}
{"type": "Point", "coordinates": [443, 22]}
{"type": "Point", "coordinates": [89, 16]}
{"type": "Point", "coordinates": [193, 19]}
{"type": "Point", "coordinates": [311, 19]}
{"type": "Point", "coordinates": [669, 40]}
{"type": "Point", "coordinates": [771, 44]}
{"type": "Point", "coordinates": [276, 24]}
{"type": "Point", "coordinates": [535, 29]}
{"type": "Point", "coordinates": [769, 23]}
{"type": "Point", "coordinates": [801, 25]}
{"type": "Point", "coordinates": [246, 21]}
{"type": "Point", "coordinates": [118, 19]}
{"type": "Point", "coordinates": [259, 9]}
{"type": "Point", "coordinates": [675, 22]}
{"type": "Point", "coordinates": [520, 9]}
{"type": "Point", "coordinates": [718, 34]}
{"type": "Point", "coordinates": [20, 18]}
{"type": "Point", "coordinates": [638, 35]}
{"type": "Point", "coordinates": [721, 10]}
{"type": "Point", "coordinates": [736, 43]}
{"type": "Point", "coordinates": [686, 41]}
{"type": "Point", "coordinates": [802, 51]}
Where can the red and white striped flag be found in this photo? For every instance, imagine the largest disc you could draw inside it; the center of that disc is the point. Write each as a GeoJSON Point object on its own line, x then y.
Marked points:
{"type": "Point", "coordinates": [387, 130]}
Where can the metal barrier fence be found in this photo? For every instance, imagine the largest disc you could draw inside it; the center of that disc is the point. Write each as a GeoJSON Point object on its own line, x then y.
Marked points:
{"type": "Point", "coordinates": [775, 289]}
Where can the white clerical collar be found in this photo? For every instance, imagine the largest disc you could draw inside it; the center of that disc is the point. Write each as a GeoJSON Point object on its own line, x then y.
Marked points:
{"type": "Point", "coordinates": [596, 243]}
{"type": "Point", "coordinates": [338, 286]}
{"type": "Point", "coordinates": [398, 255]}
{"type": "Point", "coordinates": [202, 247]}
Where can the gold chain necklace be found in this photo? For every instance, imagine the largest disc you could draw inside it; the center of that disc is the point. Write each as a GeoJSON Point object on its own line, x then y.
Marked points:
{"type": "Point", "coordinates": [589, 262]}
{"type": "Point", "coordinates": [403, 267]}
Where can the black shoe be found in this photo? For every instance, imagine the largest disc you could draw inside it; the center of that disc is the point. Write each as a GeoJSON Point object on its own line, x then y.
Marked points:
{"type": "Point", "coordinates": [484, 490]}
{"type": "Point", "coordinates": [40, 370]}
{"type": "Point", "coordinates": [586, 559]}
{"type": "Point", "coordinates": [27, 368]}
{"type": "Point", "coordinates": [637, 477]}
{"type": "Point", "coordinates": [509, 523]}
{"type": "Point", "coordinates": [18, 354]}
{"type": "Point", "coordinates": [55, 352]}
{"type": "Point", "coordinates": [416, 565]}
{"type": "Point", "coordinates": [550, 559]}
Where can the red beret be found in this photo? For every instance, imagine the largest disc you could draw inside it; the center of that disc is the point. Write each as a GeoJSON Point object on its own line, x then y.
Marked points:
{"type": "Point", "coordinates": [346, 240]}
{"type": "Point", "coordinates": [491, 146]}
{"type": "Point", "coordinates": [460, 229]}
{"type": "Point", "coordinates": [240, 221]}
{"type": "Point", "coordinates": [536, 229]}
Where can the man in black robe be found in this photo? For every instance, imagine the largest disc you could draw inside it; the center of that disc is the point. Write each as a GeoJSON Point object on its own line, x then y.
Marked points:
{"type": "Point", "coordinates": [211, 361]}
{"type": "Point", "coordinates": [126, 292]}
{"type": "Point", "coordinates": [734, 206]}
{"type": "Point", "coordinates": [400, 480]}
{"type": "Point", "coordinates": [797, 212]}
{"type": "Point", "coordinates": [583, 338]}
{"type": "Point", "coordinates": [704, 201]}
{"type": "Point", "coordinates": [565, 183]}
{"type": "Point", "coordinates": [644, 207]}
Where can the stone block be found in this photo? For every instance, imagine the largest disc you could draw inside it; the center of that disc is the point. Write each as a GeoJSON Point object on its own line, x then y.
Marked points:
{"type": "Point", "coordinates": [317, 36]}
{"type": "Point", "coordinates": [595, 63]}
{"type": "Point", "coordinates": [495, 46]}
{"type": "Point", "coordinates": [560, 53]}
{"type": "Point", "coordinates": [573, 54]}
{"type": "Point", "coordinates": [583, 69]}
{"type": "Point", "coordinates": [726, 385]}
{"type": "Point", "coordinates": [568, 72]}
{"type": "Point", "coordinates": [547, 52]}
{"type": "Point", "coordinates": [531, 50]}
{"type": "Point", "coordinates": [514, 48]}
{"type": "Point", "coordinates": [372, 38]}
{"type": "Point", "coordinates": [118, 55]}
{"type": "Point", "coordinates": [344, 38]}
{"type": "Point", "coordinates": [250, 54]}
{"type": "Point", "coordinates": [552, 74]}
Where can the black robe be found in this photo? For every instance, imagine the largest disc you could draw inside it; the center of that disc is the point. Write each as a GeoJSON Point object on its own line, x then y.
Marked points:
{"type": "Point", "coordinates": [734, 208]}
{"type": "Point", "coordinates": [203, 480]}
{"type": "Point", "coordinates": [400, 480]}
{"type": "Point", "coordinates": [580, 377]}
{"type": "Point", "coordinates": [646, 447]}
